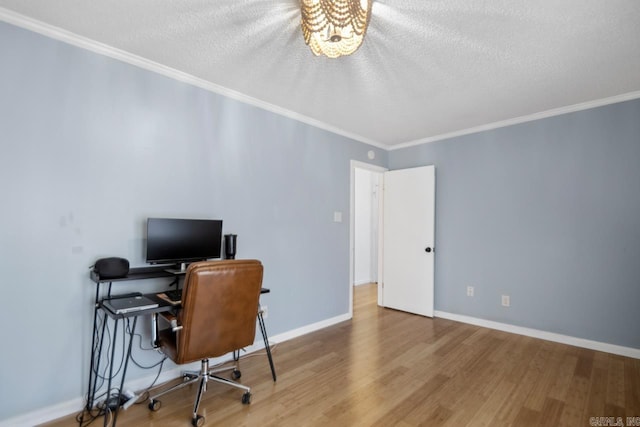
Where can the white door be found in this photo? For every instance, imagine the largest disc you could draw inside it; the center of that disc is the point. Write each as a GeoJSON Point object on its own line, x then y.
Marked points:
{"type": "Point", "coordinates": [409, 202]}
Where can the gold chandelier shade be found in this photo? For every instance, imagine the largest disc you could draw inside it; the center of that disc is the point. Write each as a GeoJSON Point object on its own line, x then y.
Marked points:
{"type": "Point", "coordinates": [335, 27]}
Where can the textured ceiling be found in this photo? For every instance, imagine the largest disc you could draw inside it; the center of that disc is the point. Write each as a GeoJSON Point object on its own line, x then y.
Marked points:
{"type": "Point", "coordinates": [426, 69]}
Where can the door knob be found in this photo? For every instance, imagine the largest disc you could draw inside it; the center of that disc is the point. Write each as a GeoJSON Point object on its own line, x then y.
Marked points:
{"type": "Point", "coordinates": [428, 249]}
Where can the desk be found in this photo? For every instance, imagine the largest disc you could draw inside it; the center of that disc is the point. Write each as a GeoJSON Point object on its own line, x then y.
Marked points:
{"type": "Point", "coordinates": [163, 306]}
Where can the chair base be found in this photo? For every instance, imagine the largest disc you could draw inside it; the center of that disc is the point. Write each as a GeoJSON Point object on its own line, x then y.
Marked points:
{"type": "Point", "coordinates": [203, 376]}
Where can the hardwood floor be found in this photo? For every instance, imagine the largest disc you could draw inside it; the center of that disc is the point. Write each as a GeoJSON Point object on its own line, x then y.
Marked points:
{"type": "Point", "coordinates": [388, 368]}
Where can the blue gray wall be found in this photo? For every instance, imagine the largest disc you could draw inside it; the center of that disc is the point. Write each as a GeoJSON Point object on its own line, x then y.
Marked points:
{"type": "Point", "coordinates": [547, 212]}
{"type": "Point", "coordinates": [91, 147]}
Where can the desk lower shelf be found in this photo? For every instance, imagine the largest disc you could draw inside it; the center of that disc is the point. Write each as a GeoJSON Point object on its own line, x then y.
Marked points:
{"type": "Point", "coordinates": [162, 307]}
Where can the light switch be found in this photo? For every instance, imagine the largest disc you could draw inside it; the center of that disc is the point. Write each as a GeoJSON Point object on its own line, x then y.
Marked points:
{"type": "Point", "coordinates": [337, 216]}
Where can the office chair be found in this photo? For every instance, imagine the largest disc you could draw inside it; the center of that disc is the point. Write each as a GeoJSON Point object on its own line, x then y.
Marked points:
{"type": "Point", "coordinates": [218, 316]}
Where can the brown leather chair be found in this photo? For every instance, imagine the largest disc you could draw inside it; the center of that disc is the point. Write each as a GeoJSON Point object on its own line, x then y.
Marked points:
{"type": "Point", "coordinates": [218, 315]}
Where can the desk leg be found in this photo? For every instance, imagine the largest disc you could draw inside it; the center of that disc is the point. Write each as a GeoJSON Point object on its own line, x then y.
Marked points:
{"type": "Point", "coordinates": [93, 365]}
{"type": "Point", "coordinates": [124, 371]}
{"type": "Point", "coordinates": [113, 354]}
{"type": "Point", "coordinates": [263, 329]}
{"type": "Point", "coordinates": [91, 388]}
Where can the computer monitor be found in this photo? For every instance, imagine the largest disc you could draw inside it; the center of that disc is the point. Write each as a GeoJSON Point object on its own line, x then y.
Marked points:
{"type": "Point", "coordinates": [176, 241]}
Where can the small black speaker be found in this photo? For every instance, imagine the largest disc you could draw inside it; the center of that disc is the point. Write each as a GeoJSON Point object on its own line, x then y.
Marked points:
{"type": "Point", "coordinates": [111, 268]}
{"type": "Point", "coordinates": [230, 241]}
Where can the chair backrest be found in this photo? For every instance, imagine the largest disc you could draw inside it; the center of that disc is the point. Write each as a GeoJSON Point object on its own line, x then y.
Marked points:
{"type": "Point", "coordinates": [219, 308]}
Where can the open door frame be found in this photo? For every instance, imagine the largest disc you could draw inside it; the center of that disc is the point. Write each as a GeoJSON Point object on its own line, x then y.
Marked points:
{"type": "Point", "coordinates": [352, 219]}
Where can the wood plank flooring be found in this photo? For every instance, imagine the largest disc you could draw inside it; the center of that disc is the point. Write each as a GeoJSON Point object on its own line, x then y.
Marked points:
{"type": "Point", "coordinates": [389, 368]}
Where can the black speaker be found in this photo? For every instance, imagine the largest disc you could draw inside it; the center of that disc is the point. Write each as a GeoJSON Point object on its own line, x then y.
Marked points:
{"type": "Point", "coordinates": [230, 241]}
{"type": "Point", "coordinates": [111, 268]}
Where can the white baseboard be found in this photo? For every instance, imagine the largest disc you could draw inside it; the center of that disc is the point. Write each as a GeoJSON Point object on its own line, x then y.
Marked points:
{"type": "Point", "coordinates": [309, 328]}
{"type": "Point", "coordinates": [549, 336]}
{"type": "Point", "coordinates": [44, 415]}
{"type": "Point", "coordinates": [72, 406]}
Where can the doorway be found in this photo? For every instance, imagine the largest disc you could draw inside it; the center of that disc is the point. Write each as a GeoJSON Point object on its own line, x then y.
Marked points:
{"type": "Point", "coordinates": [407, 232]}
{"type": "Point", "coordinates": [365, 227]}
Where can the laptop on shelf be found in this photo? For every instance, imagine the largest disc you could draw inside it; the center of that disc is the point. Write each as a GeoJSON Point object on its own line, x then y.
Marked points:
{"type": "Point", "coordinates": [129, 304]}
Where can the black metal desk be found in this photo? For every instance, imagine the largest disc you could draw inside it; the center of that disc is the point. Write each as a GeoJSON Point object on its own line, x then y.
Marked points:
{"type": "Point", "coordinates": [163, 306]}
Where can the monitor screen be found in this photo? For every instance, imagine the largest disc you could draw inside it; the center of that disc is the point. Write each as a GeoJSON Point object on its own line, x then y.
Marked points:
{"type": "Point", "coordinates": [173, 240]}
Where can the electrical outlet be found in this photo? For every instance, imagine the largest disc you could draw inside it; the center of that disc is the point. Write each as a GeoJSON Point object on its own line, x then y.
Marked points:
{"type": "Point", "coordinates": [265, 311]}
{"type": "Point", "coordinates": [469, 291]}
{"type": "Point", "coordinates": [506, 301]}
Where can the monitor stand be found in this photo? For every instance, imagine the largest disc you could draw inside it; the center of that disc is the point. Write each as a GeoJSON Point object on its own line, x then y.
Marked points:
{"type": "Point", "coordinates": [181, 270]}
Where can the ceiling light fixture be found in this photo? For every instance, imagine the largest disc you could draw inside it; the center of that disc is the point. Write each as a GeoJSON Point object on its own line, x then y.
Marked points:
{"type": "Point", "coordinates": [334, 27]}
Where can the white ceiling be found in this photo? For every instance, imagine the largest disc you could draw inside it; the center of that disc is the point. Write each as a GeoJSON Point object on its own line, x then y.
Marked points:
{"type": "Point", "coordinates": [427, 69]}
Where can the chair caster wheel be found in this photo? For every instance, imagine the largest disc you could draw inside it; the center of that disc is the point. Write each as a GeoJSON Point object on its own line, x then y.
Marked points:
{"type": "Point", "coordinates": [236, 374]}
{"type": "Point", "coordinates": [198, 421]}
{"type": "Point", "coordinates": [246, 398]}
{"type": "Point", "coordinates": [154, 405]}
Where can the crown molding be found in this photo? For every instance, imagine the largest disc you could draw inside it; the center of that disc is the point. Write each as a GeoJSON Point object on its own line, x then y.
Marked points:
{"type": "Point", "coordinates": [523, 119]}
{"type": "Point", "coordinates": [82, 42]}
{"type": "Point", "coordinates": [68, 37]}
